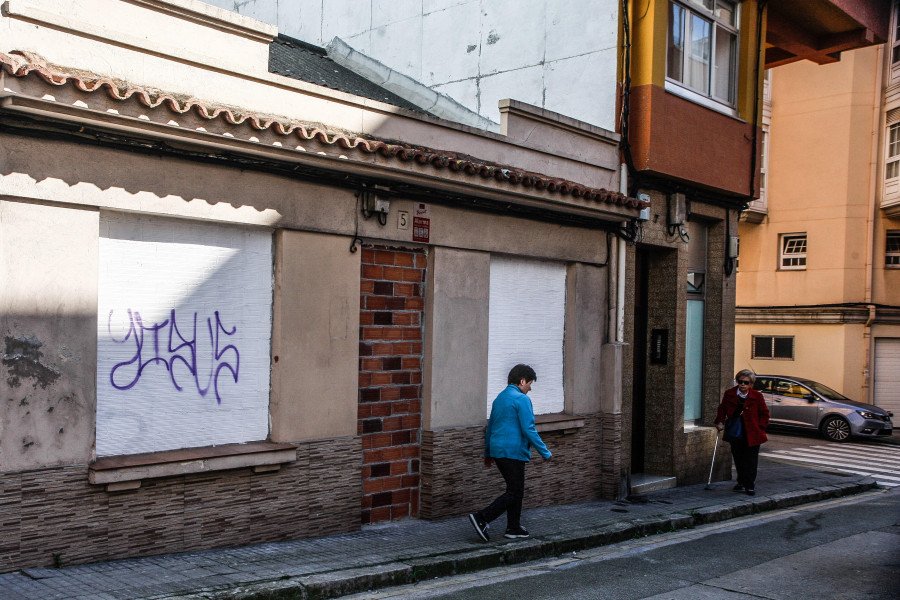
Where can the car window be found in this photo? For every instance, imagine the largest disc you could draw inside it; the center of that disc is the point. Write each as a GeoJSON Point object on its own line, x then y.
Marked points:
{"type": "Point", "coordinates": [827, 392]}
{"type": "Point", "coordinates": [790, 389]}
{"type": "Point", "coordinates": [763, 384]}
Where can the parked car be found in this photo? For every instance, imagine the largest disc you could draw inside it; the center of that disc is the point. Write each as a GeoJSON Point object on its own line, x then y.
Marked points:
{"type": "Point", "coordinates": [805, 404]}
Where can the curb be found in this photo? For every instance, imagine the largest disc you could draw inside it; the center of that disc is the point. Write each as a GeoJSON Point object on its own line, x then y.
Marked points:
{"type": "Point", "coordinates": [342, 582]}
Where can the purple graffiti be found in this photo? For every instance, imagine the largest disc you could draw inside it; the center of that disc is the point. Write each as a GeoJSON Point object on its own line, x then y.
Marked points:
{"type": "Point", "coordinates": [179, 352]}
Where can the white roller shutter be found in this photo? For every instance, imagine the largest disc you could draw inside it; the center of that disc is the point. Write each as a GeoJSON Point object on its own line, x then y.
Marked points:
{"type": "Point", "coordinates": [887, 375]}
{"type": "Point", "coordinates": [527, 325]}
{"type": "Point", "coordinates": [184, 332]}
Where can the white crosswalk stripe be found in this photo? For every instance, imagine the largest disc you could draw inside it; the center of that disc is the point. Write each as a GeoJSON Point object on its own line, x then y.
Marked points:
{"type": "Point", "coordinates": [882, 463]}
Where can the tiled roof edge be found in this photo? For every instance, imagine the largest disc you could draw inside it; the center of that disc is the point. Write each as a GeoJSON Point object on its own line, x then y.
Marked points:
{"type": "Point", "coordinates": [18, 65]}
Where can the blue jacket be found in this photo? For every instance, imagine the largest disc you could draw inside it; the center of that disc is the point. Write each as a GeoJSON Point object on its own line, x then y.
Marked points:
{"type": "Point", "coordinates": [510, 431]}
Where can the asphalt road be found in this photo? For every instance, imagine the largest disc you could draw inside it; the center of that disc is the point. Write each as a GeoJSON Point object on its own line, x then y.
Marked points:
{"type": "Point", "coordinates": [780, 439]}
{"type": "Point", "coordinates": [841, 550]}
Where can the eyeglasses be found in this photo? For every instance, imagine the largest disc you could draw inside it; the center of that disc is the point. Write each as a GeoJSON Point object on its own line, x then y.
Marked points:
{"type": "Point", "coordinates": [743, 382]}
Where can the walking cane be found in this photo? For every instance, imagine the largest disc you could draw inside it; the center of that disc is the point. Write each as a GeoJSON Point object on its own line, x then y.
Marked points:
{"type": "Point", "coordinates": [716, 447]}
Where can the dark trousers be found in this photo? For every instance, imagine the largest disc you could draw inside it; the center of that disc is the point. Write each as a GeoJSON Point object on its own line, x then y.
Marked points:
{"type": "Point", "coordinates": [746, 461]}
{"type": "Point", "coordinates": [510, 501]}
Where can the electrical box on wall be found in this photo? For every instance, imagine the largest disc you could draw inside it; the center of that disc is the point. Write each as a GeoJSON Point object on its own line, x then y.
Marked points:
{"type": "Point", "coordinates": [645, 212]}
{"type": "Point", "coordinates": [677, 209]}
{"type": "Point", "coordinates": [376, 204]}
{"type": "Point", "coordinates": [733, 246]}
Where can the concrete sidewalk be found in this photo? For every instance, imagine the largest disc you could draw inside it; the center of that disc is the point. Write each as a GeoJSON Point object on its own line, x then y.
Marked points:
{"type": "Point", "coordinates": [411, 550]}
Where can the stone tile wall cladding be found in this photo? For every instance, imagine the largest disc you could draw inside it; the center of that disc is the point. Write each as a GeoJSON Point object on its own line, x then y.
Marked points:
{"type": "Point", "coordinates": [390, 380]}
{"type": "Point", "coordinates": [455, 480]}
{"type": "Point", "coordinates": [52, 513]}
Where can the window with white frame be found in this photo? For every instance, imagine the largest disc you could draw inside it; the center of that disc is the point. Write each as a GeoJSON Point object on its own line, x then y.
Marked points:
{"type": "Point", "coordinates": [793, 251]}
{"type": "Point", "coordinates": [703, 47]}
{"type": "Point", "coordinates": [892, 250]}
{"type": "Point", "coordinates": [892, 155]}
{"type": "Point", "coordinates": [773, 347]}
{"type": "Point", "coordinates": [892, 160]}
{"type": "Point", "coordinates": [895, 35]}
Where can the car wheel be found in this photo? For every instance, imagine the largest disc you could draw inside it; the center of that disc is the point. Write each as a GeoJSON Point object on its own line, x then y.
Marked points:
{"type": "Point", "coordinates": [836, 429]}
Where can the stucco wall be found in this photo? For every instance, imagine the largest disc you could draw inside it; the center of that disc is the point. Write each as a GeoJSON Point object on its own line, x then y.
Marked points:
{"type": "Point", "coordinates": [48, 320]}
{"type": "Point", "coordinates": [558, 55]}
{"type": "Point", "coordinates": [819, 183]}
{"type": "Point", "coordinates": [830, 354]}
{"type": "Point", "coordinates": [315, 340]}
{"type": "Point", "coordinates": [456, 341]}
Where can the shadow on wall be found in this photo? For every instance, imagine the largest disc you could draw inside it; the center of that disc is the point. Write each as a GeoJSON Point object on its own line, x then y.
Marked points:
{"type": "Point", "coordinates": [81, 173]}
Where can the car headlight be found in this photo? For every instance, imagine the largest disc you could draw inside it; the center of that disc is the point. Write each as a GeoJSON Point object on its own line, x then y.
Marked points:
{"type": "Point", "coordinates": [868, 415]}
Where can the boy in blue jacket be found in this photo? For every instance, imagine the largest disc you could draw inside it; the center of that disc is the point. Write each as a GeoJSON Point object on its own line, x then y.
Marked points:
{"type": "Point", "coordinates": [508, 439]}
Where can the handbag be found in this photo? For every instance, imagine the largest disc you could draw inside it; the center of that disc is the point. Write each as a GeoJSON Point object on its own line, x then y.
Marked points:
{"type": "Point", "coordinates": [734, 427]}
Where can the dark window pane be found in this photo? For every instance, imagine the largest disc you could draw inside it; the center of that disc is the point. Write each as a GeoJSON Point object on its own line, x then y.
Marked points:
{"type": "Point", "coordinates": [784, 347]}
{"type": "Point", "coordinates": [762, 347]}
{"type": "Point", "coordinates": [676, 42]}
{"type": "Point", "coordinates": [893, 241]}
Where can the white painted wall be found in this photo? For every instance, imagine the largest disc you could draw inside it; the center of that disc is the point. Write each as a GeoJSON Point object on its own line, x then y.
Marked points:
{"type": "Point", "coordinates": [527, 325]}
{"type": "Point", "coordinates": [163, 385]}
{"type": "Point", "coordinates": [559, 55]}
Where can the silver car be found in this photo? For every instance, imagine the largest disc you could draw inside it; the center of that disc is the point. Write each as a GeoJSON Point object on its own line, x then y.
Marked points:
{"type": "Point", "coordinates": [807, 404]}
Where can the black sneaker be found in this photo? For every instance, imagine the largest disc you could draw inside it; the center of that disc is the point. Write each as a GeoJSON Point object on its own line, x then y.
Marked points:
{"type": "Point", "coordinates": [738, 488]}
{"type": "Point", "coordinates": [480, 526]}
{"type": "Point", "coordinates": [751, 492]}
{"type": "Point", "coordinates": [517, 532]}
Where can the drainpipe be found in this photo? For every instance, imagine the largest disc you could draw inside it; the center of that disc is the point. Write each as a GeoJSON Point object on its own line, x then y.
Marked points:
{"type": "Point", "coordinates": [874, 177]}
{"type": "Point", "coordinates": [620, 268]}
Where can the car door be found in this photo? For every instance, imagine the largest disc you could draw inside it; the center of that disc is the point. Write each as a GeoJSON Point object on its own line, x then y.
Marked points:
{"type": "Point", "coordinates": [794, 404]}
{"type": "Point", "coordinates": [764, 385]}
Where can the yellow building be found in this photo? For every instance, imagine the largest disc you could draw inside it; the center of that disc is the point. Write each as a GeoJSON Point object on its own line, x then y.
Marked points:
{"type": "Point", "coordinates": [818, 288]}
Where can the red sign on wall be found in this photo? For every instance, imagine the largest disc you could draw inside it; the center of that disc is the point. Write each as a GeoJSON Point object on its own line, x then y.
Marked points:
{"type": "Point", "coordinates": [421, 229]}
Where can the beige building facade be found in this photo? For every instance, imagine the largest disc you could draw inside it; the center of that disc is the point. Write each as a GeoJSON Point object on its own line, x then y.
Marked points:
{"type": "Point", "coordinates": [235, 308]}
{"type": "Point", "coordinates": [818, 288]}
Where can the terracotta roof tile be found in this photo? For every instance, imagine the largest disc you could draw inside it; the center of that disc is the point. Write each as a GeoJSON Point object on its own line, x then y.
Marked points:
{"type": "Point", "coordinates": [18, 65]}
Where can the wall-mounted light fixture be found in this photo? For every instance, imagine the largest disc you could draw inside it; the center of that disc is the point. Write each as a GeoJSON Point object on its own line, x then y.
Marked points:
{"type": "Point", "coordinates": [374, 201]}
{"type": "Point", "coordinates": [677, 216]}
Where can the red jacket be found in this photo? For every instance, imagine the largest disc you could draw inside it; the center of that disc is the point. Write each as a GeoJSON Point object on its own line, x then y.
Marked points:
{"type": "Point", "coordinates": [756, 414]}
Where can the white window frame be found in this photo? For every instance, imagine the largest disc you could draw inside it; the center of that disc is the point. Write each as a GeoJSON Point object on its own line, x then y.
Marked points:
{"type": "Point", "coordinates": [892, 249]}
{"type": "Point", "coordinates": [712, 98]}
{"type": "Point", "coordinates": [892, 155]}
{"type": "Point", "coordinates": [790, 258]}
{"type": "Point", "coordinates": [771, 356]}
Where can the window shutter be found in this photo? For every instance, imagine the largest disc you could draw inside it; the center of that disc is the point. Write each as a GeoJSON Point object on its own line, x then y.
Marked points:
{"type": "Point", "coordinates": [893, 116]}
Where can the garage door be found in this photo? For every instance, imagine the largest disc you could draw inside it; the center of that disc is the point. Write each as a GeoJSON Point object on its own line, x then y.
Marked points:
{"type": "Point", "coordinates": [887, 375]}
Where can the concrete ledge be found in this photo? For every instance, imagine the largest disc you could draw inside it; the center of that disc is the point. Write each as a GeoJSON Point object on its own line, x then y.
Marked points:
{"type": "Point", "coordinates": [121, 473]}
{"type": "Point", "coordinates": [558, 422]}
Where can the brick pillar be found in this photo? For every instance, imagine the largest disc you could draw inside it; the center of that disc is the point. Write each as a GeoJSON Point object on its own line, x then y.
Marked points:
{"type": "Point", "coordinates": [390, 380]}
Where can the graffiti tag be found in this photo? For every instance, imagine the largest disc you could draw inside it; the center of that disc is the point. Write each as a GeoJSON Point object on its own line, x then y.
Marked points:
{"type": "Point", "coordinates": [178, 352]}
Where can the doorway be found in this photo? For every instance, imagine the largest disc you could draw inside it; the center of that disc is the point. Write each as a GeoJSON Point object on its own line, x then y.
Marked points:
{"type": "Point", "coordinates": [639, 378]}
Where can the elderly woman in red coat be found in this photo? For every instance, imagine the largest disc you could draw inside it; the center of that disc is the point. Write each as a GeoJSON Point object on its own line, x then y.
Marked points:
{"type": "Point", "coordinates": [743, 400]}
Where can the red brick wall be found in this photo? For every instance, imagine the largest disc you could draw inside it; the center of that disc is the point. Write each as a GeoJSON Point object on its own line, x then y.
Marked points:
{"type": "Point", "coordinates": [390, 380]}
